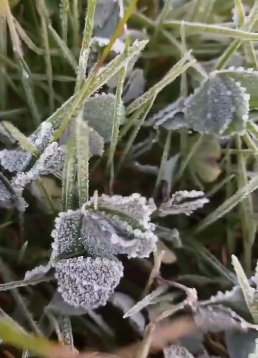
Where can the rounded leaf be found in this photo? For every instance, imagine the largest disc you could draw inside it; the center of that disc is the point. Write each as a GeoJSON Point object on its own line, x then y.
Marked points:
{"type": "Point", "coordinates": [88, 283]}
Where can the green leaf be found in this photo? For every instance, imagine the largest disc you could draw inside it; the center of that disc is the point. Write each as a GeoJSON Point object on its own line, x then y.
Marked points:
{"type": "Point", "coordinates": [99, 112]}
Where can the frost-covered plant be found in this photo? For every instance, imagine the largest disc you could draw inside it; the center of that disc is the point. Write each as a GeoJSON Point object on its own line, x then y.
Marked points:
{"type": "Point", "coordinates": [220, 105]}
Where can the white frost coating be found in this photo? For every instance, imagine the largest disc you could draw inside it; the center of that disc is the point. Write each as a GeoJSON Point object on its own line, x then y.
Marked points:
{"type": "Point", "coordinates": [183, 202]}
{"type": "Point", "coordinates": [176, 351]}
{"type": "Point", "coordinates": [51, 160]}
{"type": "Point", "coordinates": [38, 271]}
{"type": "Point", "coordinates": [65, 232]}
{"type": "Point", "coordinates": [16, 160]}
{"type": "Point", "coordinates": [124, 223]}
{"type": "Point", "coordinates": [88, 283]}
{"type": "Point", "coordinates": [135, 205]}
{"type": "Point", "coordinates": [118, 46]}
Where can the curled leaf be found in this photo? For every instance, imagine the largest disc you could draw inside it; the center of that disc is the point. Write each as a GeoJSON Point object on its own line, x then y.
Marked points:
{"type": "Point", "coordinates": [183, 202]}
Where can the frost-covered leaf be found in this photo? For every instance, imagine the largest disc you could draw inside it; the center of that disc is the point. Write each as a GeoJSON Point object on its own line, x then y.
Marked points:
{"type": "Point", "coordinates": [107, 235]}
{"type": "Point", "coordinates": [38, 272]}
{"type": "Point", "coordinates": [99, 113]}
{"type": "Point", "coordinates": [218, 103]}
{"type": "Point", "coordinates": [134, 86]}
{"type": "Point", "coordinates": [233, 299]}
{"type": "Point", "coordinates": [58, 305]}
{"type": "Point", "coordinates": [246, 78]}
{"type": "Point", "coordinates": [8, 198]}
{"type": "Point", "coordinates": [88, 283]}
{"type": "Point", "coordinates": [51, 161]}
{"type": "Point", "coordinates": [204, 161]}
{"type": "Point", "coordinates": [170, 117]}
{"type": "Point", "coordinates": [16, 160]}
{"type": "Point", "coordinates": [125, 302]}
{"type": "Point", "coordinates": [183, 202]}
{"type": "Point", "coordinates": [176, 351]}
{"type": "Point", "coordinates": [218, 318]}
{"type": "Point", "coordinates": [126, 223]}
{"type": "Point", "coordinates": [242, 344]}
{"type": "Point", "coordinates": [66, 233]}
{"type": "Point", "coordinates": [108, 15]}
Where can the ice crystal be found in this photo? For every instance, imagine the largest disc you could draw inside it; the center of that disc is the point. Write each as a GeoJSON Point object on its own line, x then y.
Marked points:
{"type": "Point", "coordinates": [87, 282]}
{"type": "Point", "coordinates": [183, 202]}
{"type": "Point", "coordinates": [38, 271]}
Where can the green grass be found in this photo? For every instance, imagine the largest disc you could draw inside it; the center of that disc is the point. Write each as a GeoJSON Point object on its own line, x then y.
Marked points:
{"type": "Point", "coordinates": [45, 53]}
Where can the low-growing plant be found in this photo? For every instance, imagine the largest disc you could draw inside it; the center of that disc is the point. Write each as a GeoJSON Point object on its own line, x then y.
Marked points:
{"type": "Point", "coordinates": [100, 111]}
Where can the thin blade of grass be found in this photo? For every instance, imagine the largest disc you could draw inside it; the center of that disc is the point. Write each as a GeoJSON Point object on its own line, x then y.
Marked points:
{"type": "Point", "coordinates": [83, 155]}
{"type": "Point", "coordinates": [69, 173]}
{"type": "Point", "coordinates": [23, 141]}
{"type": "Point", "coordinates": [229, 204]}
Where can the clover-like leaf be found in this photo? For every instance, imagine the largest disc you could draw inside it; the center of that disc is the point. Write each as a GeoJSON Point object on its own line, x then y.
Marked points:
{"type": "Point", "coordinates": [87, 282]}
{"type": "Point", "coordinates": [107, 17]}
{"type": "Point", "coordinates": [134, 86]}
{"type": "Point", "coordinates": [51, 161]}
{"type": "Point", "coordinates": [125, 224]}
{"type": "Point", "coordinates": [176, 351]}
{"type": "Point", "coordinates": [219, 102]}
{"type": "Point", "coordinates": [246, 78]}
{"type": "Point", "coordinates": [183, 202]}
{"type": "Point", "coordinates": [66, 233]}
{"type": "Point", "coordinates": [242, 344]}
{"type": "Point", "coordinates": [217, 318]}
{"type": "Point", "coordinates": [16, 160]}
{"type": "Point", "coordinates": [99, 113]}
